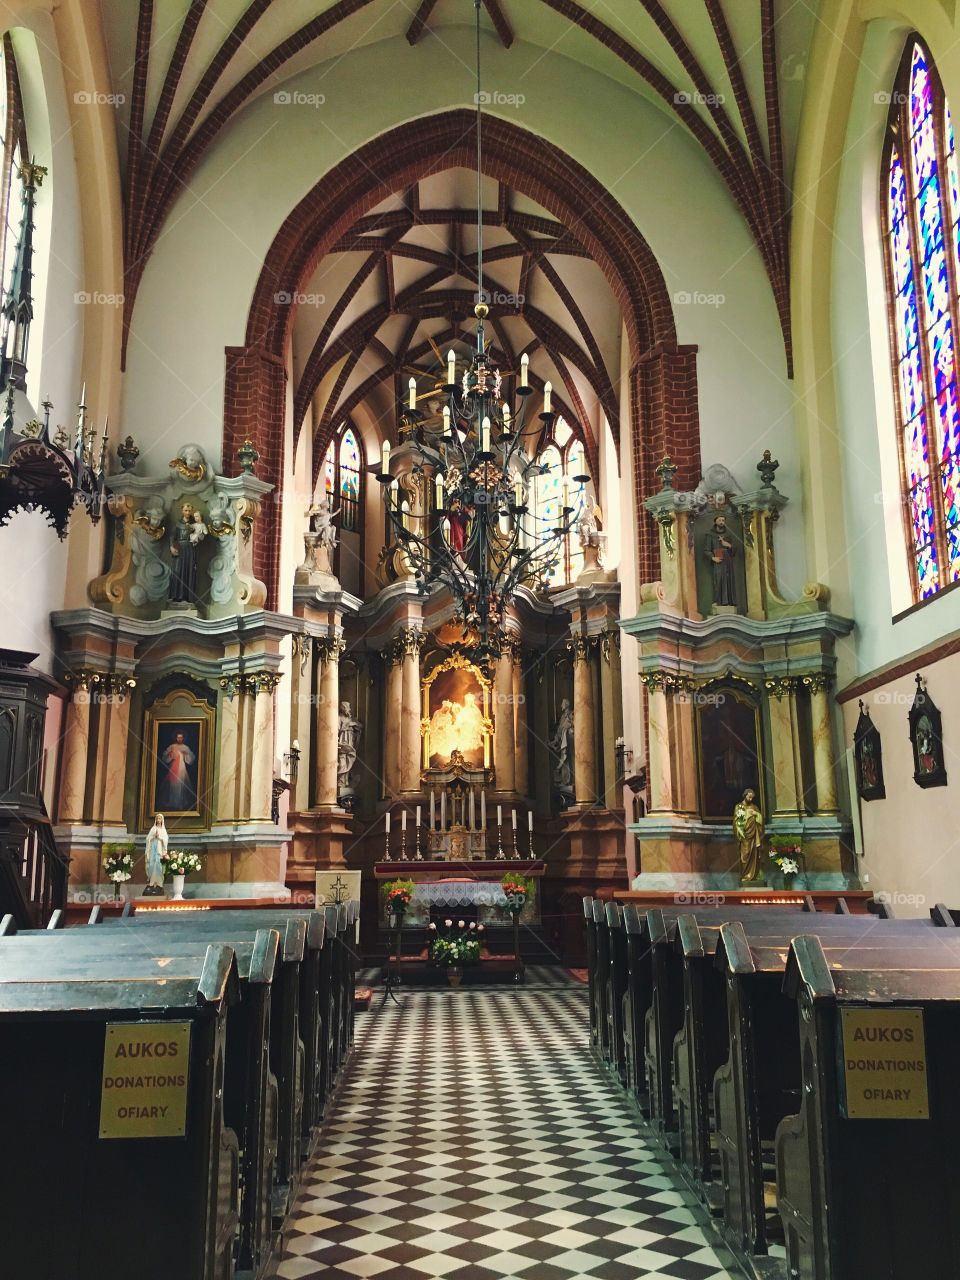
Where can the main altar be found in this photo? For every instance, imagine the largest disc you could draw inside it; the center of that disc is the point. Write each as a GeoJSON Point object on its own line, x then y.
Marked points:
{"type": "Point", "coordinates": [472, 891]}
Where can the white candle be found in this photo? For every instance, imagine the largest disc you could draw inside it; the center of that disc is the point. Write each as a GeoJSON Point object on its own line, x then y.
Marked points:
{"type": "Point", "coordinates": [518, 493]}
{"type": "Point", "coordinates": [547, 393]}
{"type": "Point", "coordinates": [296, 744]}
{"type": "Point", "coordinates": [387, 815]}
{"type": "Point", "coordinates": [506, 416]}
{"type": "Point", "coordinates": [565, 485]}
{"type": "Point", "coordinates": [451, 367]}
{"type": "Point", "coordinates": [514, 816]}
{"type": "Point", "coordinates": [530, 821]}
{"type": "Point", "coordinates": [439, 491]}
{"type": "Point", "coordinates": [485, 436]}
{"type": "Point", "coordinates": [524, 370]}
{"type": "Point", "coordinates": [403, 819]}
{"type": "Point", "coordinates": [443, 809]}
{"type": "Point", "coordinates": [412, 401]}
{"type": "Point", "coordinates": [483, 809]}
{"type": "Point", "coordinates": [418, 817]}
{"type": "Point", "coordinates": [446, 419]}
{"type": "Point", "coordinates": [473, 811]}
{"type": "Point", "coordinates": [433, 810]}
{"type": "Point", "coordinates": [385, 458]}
{"type": "Point", "coordinates": [499, 815]}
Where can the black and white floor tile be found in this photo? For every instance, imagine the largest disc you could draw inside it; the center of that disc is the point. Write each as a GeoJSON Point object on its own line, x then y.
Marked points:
{"type": "Point", "coordinates": [475, 1137]}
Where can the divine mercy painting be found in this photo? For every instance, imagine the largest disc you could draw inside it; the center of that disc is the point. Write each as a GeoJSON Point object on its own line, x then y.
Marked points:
{"type": "Point", "coordinates": [177, 751]}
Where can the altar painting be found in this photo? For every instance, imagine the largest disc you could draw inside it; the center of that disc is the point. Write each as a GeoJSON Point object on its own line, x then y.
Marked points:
{"type": "Point", "coordinates": [728, 732]}
{"type": "Point", "coordinates": [456, 717]}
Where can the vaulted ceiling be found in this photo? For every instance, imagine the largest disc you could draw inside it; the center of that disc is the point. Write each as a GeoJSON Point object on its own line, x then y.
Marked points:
{"type": "Point", "coordinates": [729, 71]}
{"type": "Point", "coordinates": [400, 287]}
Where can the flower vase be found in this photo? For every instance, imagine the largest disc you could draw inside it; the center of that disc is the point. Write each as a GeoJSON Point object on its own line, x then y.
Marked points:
{"type": "Point", "coordinates": [178, 883]}
{"type": "Point", "coordinates": [788, 879]}
{"type": "Point", "coordinates": [454, 975]}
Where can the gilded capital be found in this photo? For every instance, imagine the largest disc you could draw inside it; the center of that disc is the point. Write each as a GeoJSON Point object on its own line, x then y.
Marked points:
{"type": "Point", "coordinates": [817, 681]}
{"type": "Point", "coordinates": [328, 648]}
{"type": "Point", "coordinates": [781, 686]}
{"type": "Point", "coordinates": [579, 646]}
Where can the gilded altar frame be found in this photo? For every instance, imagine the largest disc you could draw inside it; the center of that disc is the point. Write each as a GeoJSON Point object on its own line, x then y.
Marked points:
{"type": "Point", "coordinates": [456, 662]}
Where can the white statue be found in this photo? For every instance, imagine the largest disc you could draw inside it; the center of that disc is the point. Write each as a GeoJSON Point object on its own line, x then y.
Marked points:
{"type": "Point", "coordinates": [560, 744]}
{"type": "Point", "coordinates": [157, 839]}
{"type": "Point", "coordinates": [190, 464]}
{"type": "Point", "coordinates": [321, 523]}
{"type": "Point", "coordinates": [588, 526]}
{"type": "Point", "coordinates": [348, 744]}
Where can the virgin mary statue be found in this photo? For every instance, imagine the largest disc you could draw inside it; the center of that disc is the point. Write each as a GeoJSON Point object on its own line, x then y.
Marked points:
{"type": "Point", "coordinates": [157, 838]}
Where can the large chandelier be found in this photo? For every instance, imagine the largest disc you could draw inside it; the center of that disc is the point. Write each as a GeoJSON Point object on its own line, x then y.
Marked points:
{"type": "Point", "coordinates": [479, 533]}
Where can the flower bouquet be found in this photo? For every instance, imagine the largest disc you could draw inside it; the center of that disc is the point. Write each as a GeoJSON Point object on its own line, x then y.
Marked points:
{"type": "Point", "coordinates": [787, 856]}
{"type": "Point", "coordinates": [399, 893]}
{"type": "Point", "coordinates": [454, 946]}
{"type": "Point", "coordinates": [516, 888]}
{"type": "Point", "coordinates": [118, 864]}
{"type": "Point", "coordinates": [178, 864]}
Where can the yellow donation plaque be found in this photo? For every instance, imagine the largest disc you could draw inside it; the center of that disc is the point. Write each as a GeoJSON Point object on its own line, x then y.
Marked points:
{"type": "Point", "coordinates": [884, 1064]}
{"type": "Point", "coordinates": [146, 1069]}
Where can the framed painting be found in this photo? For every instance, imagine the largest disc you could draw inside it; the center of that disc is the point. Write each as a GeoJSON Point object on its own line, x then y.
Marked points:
{"type": "Point", "coordinates": [926, 739]}
{"type": "Point", "coordinates": [176, 760]}
{"type": "Point", "coordinates": [456, 715]}
{"type": "Point", "coordinates": [868, 758]}
{"type": "Point", "coordinates": [728, 741]}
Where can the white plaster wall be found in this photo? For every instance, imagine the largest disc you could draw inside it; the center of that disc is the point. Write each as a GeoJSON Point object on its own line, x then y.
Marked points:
{"type": "Point", "coordinates": [197, 288]}
{"type": "Point", "coordinates": [33, 560]}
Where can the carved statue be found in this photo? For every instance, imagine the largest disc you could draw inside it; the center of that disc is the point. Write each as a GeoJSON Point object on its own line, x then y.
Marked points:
{"type": "Point", "coordinates": [220, 518]}
{"type": "Point", "coordinates": [748, 829]}
{"type": "Point", "coordinates": [157, 838]}
{"type": "Point", "coordinates": [720, 551]}
{"type": "Point", "coordinates": [588, 526]}
{"type": "Point", "coordinates": [560, 744]}
{"type": "Point", "coordinates": [321, 523]}
{"type": "Point", "coordinates": [190, 464]}
{"type": "Point", "coordinates": [186, 538]}
{"type": "Point", "coordinates": [151, 573]}
{"type": "Point", "coordinates": [348, 744]}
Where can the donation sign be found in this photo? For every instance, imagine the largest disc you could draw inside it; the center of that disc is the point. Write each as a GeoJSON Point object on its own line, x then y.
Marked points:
{"type": "Point", "coordinates": [146, 1068]}
{"type": "Point", "coordinates": [884, 1064]}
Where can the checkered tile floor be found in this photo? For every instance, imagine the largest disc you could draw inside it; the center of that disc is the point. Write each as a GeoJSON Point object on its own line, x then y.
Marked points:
{"type": "Point", "coordinates": [475, 1137]}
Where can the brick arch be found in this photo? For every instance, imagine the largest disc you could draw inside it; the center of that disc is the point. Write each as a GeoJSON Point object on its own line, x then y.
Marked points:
{"type": "Point", "coordinates": [255, 391]}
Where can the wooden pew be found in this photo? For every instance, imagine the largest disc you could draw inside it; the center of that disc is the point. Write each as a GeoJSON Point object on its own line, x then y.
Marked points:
{"type": "Point", "coordinates": [636, 1000]}
{"type": "Point", "coordinates": [603, 986]}
{"type": "Point", "coordinates": [701, 1044]}
{"type": "Point", "coordinates": [591, 953]}
{"type": "Point", "coordinates": [250, 1088]}
{"type": "Point", "coordinates": [871, 1196]}
{"type": "Point", "coordinates": [616, 980]}
{"type": "Point", "coordinates": [760, 1083]}
{"type": "Point", "coordinates": [77, 1204]}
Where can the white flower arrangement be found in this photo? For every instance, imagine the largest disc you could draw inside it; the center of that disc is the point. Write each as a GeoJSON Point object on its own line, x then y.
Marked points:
{"type": "Point", "coordinates": [117, 863]}
{"type": "Point", "coordinates": [789, 866]}
{"type": "Point", "coordinates": [179, 862]}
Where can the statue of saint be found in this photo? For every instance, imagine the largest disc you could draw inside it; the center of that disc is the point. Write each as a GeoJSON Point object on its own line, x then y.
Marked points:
{"type": "Point", "coordinates": [748, 829]}
{"type": "Point", "coordinates": [157, 838]}
{"type": "Point", "coordinates": [720, 550]}
{"type": "Point", "coordinates": [186, 537]}
{"type": "Point", "coordinates": [321, 523]}
{"type": "Point", "coordinates": [560, 744]}
{"type": "Point", "coordinates": [348, 744]}
{"type": "Point", "coordinates": [588, 526]}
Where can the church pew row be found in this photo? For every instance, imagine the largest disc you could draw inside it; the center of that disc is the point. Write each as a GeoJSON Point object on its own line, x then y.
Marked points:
{"type": "Point", "coordinates": [697, 1031]}
{"type": "Point", "coordinates": [303, 1038]}
{"type": "Point", "coordinates": [156, 1207]}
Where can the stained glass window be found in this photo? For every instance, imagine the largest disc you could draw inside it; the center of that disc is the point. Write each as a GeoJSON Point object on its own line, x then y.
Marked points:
{"type": "Point", "coordinates": [349, 459]}
{"type": "Point", "coordinates": [563, 454]}
{"type": "Point", "coordinates": [922, 229]}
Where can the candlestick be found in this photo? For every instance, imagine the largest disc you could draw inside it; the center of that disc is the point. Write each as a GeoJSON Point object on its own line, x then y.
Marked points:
{"type": "Point", "coordinates": [386, 856]}
{"type": "Point", "coordinates": [524, 370]}
{"type": "Point", "coordinates": [451, 367]}
{"type": "Point", "coordinates": [530, 829]}
{"type": "Point", "coordinates": [516, 848]}
{"type": "Point", "coordinates": [501, 856]}
{"type": "Point", "coordinates": [514, 816]}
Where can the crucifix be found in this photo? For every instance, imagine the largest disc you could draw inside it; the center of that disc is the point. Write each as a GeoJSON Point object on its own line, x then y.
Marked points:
{"type": "Point", "coordinates": [339, 890]}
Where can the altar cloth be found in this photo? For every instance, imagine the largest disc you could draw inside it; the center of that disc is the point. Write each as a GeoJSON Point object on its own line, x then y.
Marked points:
{"type": "Point", "coordinates": [460, 893]}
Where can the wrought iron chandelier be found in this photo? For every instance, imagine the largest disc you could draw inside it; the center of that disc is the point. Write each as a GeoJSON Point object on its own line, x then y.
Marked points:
{"type": "Point", "coordinates": [478, 533]}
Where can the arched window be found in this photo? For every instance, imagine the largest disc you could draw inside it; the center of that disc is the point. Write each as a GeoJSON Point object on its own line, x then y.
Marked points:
{"type": "Point", "coordinates": [563, 454]}
{"type": "Point", "coordinates": [922, 249]}
{"type": "Point", "coordinates": [341, 483]}
{"type": "Point", "coordinates": [13, 139]}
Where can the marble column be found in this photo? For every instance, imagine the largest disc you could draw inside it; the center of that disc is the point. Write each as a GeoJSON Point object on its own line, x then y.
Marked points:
{"type": "Point", "coordinates": [584, 723]}
{"type": "Point", "coordinates": [520, 730]}
{"type": "Point", "coordinates": [329, 649]}
{"type": "Point", "coordinates": [76, 745]}
{"type": "Point", "coordinates": [392, 715]}
{"type": "Point", "coordinates": [262, 688]}
{"type": "Point", "coordinates": [504, 744]}
{"type": "Point", "coordinates": [301, 706]}
{"type": "Point", "coordinates": [410, 739]}
{"type": "Point", "coordinates": [228, 807]}
{"type": "Point", "coordinates": [113, 748]}
{"type": "Point", "coordinates": [782, 706]}
{"type": "Point", "coordinates": [659, 759]}
{"type": "Point", "coordinates": [822, 733]}
{"type": "Point", "coordinates": [611, 705]}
